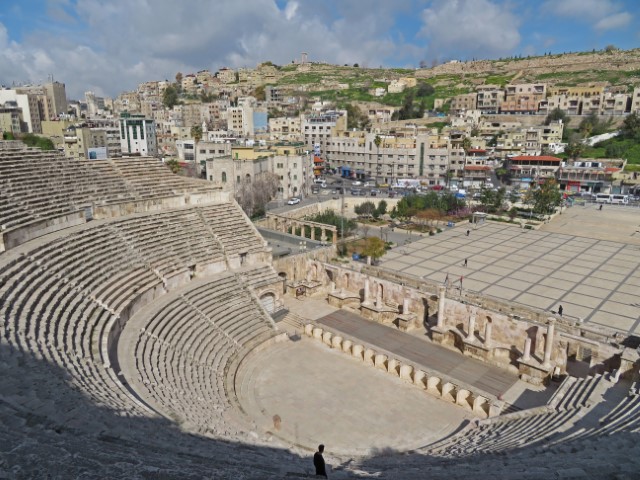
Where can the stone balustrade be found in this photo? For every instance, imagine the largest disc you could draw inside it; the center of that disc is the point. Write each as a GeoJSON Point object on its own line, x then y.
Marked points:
{"type": "Point", "coordinates": [432, 383]}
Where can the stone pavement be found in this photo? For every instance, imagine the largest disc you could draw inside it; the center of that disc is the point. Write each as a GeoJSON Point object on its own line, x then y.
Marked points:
{"type": "Point", "coordinates": [324, 396]}
{"type": "Point", "coordinates": [486, 377]}
{"type": "Point", "coordinates": [595, 280]}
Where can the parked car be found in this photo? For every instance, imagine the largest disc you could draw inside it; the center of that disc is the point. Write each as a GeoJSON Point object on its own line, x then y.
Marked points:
{"type": "Point", "coordinates": [357, 183]}
{"type": "Point", "coordinates": [356, 192]}
{"type": "Point", "coordinates": [370, 184]}
{"type": "Point", "coordinates": [374, 192]}
{"type": "Point", "coordinates": [293, 201]}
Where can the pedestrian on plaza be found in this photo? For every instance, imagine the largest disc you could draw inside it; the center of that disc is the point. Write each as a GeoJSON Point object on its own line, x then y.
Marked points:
{"type": "Point", "coordinates": [560, 310]}
{"type": "Point", "coordinates": [600, 207]}
{"type": "Point", "coordinates": [468, 232]}
{"type": "Point", "coordinates": [465, 263]}
{"type": "Point", "coordinates": [318, 462]}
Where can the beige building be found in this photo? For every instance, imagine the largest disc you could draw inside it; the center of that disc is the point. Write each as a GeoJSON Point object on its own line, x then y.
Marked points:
{"type": "Point", "coordinates": [10, 118]}
{"type": "Point", "coordinates": [318, 127]}
{"type": "Point", "coordinates": [396, 86]}
{"type": "Point", "coordinates": [287, 161]}
{"type": "Point", "coordinates": [635, 100]}
{"type": "Point", "coordinates": [523, 98]}
{"type": "Point", "coordinates": [57, 94]}
{"type": "Point", "coordinates": [489, 99]}
{"type": "Point", "coordinates": [78, 141]}
{"type": "Point", "coordinates": [285, 129]}
{"type": "Point", "coordinates": [226, 75]}
{"type": "Point", "coordinates": [464, 102]}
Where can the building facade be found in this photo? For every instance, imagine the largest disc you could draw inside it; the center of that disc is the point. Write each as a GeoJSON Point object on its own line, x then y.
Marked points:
{"type": "Point", "coordinates": [137, 135]}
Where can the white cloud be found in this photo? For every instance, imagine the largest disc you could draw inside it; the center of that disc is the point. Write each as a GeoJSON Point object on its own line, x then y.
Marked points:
{"type": "Point", "coordinates": [601, 14]}
{"type": "Point", "coordinates": [590, 9]}
{"type": "Point", "coordinates": [129, 41]}
{"type": "Point", "coordinates": [471, 28]}
{"type": "Point", "coordinates": [612, 22]}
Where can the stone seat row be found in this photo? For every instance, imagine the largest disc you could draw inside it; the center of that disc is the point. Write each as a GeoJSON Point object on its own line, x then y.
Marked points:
{"type": "Point", "coordinates": [58, 300]}
{"type": "Point", "coordinates": [65, 185]}
{"type": "Point", "coordinates": [182, 352]}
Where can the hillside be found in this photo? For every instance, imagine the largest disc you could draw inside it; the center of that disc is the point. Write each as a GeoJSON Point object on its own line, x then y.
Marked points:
{"type": "Point", "coordinates": [617, 68]}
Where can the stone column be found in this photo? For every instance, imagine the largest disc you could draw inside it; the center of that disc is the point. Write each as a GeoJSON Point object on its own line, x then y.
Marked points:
{"type": "Point", "coordinates": [366, 290]}
{"type": "Point", "coordinates": [335, 237]}
{"type": "Point", "coordinates": [405, 306]}
{"type": "Point", "coordinates": [441, 299]}
{"type": "Point", "coordinates": [378, 298]}
{"type": "Point", "coordinates": [526, 356]}
{"type": "Point", "coordinates": [487, 334]}
{"type": "Point", "coordinates": [313, 233]}
{"type": "Point", "coordinates": [472, 326]}
{"type": "Point", "coordinates": [548, 344]}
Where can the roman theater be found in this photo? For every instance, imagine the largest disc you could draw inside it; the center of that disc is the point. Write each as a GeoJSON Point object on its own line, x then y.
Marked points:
{"type": "Point", "coordinates": [149, 331]}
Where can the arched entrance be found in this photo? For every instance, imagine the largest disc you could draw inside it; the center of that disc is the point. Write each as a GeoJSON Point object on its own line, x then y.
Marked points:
{"type": "Point", "coordinates": [268, 301]}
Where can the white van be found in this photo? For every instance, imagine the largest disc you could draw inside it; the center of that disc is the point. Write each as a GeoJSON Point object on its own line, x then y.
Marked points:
{"type": "Point", "coordinates": [620, 199]}
{"type": "Point", "coordinates": [603, 198]}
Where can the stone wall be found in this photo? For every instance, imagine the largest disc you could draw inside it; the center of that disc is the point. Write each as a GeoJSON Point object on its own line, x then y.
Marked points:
{"type": "Point", "coordinates": [497, 336]}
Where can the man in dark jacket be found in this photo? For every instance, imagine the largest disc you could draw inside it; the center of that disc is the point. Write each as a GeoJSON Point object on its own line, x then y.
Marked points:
{"type": "Point", "coordinates": [318, 462]}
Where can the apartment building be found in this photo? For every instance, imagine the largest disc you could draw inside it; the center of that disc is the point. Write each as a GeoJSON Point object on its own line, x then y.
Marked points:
{"type": "Point", "coordinates": [523, 98]}
{"type": "Point", "coordinates": [489, 99]}
{"type": "Point", "coordinates": [318, 127]}
{"type": "Point", "coordinates": [285, 128]}
{"type": "Point", "coordinates": [531, 169]}
{"type": "Point", "coordinates": [57, 93]}
{"type": "Point", "coordinates": [226, 75]}
{"type": "Point", "coordinates": [10, 118]}
{"type": "Point", "coordinates": [137, 135]}
{"type": "Point", "coordinates": [30, 104]}
{"type": "Point", "coordinates": [464, 102]}
{"type": "Point", "coordinates": [81, 142]}
{"type": "Point", "coordinates": [589, 176]}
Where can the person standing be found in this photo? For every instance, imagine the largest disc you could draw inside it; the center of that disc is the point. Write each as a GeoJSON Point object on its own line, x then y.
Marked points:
{"type": "Point", "coordinates": [560, 310]}
{"type": "Point", "coordinates": [318, 462]}
{"type": "Point", "coordinates": [465, 262]}
{"type": "Point", "coordinates": [468, 232]}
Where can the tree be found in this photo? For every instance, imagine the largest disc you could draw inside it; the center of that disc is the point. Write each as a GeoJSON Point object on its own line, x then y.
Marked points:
{"type": "Point", "coordinates": [424, 89]}
{"type": "Point", "coordinates": [546, 197]}
{"type": "Point", "coordinates": [8, 136]}
{"type": "Point", "coordinates": [466, 146]}
{"type": "Point", "coordinates": [374, 248]}
{"type": "Point", "coordinates": [173, 165]}
{"type": "Point", "coordinates": [631, 127]}
{"type": "Point", "coordinates": [593, 125]}
{"type": "Point", "coordinates": [574, 149]}
{"type": "Point", "coordinates": [382, 208]}
{"type": "Point", "coordinates": [555, 115]}
{"type": "Point", "coordinates": [179, 80]}
{"type": "Point", "coordinates": [356, 118]}
{"type": "Point", "coordinates": [254, 194]}
{"type": "Point", "coordinates": [377, 142]}
{"type": "Point", "coordinates": [259, 93]}
{"type": "Point", "coordinates": [365, 209]}
{"type": "Point", "coordinates": [170, 97]}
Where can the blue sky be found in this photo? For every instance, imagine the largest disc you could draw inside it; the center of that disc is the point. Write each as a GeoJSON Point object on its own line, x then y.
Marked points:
{"type": "Point", "coordinates": [109, 46]}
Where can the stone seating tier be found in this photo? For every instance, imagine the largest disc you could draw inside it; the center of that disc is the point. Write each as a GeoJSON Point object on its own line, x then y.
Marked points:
{"type": "Point", "coordinates": [59, 298]}
{"type": "Point", "coordinates": [37, 185]}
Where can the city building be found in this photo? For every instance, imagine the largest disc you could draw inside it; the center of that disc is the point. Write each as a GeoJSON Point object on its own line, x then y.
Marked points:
{"type": "Point", "coordinates": [489, 98]}
{"type": "Point", "coordinates": [526, 170]}
{"type": "Point", "coordinates": [57, 93]}
{"type": "Point", "coordinates": [523, 98]}
{"type": "Point", "coordinates": [318, 127]}
{"type": "Point", "coordinates": [81, 142]}
{"type": "Point", "coordinates": [10, 118]}
{"type": "Point", "coordinates": [137, 135]}
{"type": "Point", "coordinates": [589, 176]}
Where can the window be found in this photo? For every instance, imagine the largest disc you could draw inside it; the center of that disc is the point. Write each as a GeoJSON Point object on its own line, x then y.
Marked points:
{"type": "Point", "coordinates": [224, 177]}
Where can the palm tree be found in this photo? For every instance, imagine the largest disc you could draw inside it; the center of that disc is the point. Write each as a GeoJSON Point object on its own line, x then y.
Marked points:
{"type": "Point", "coordinates": [377, 142]}
{"type": "Point", "coordinates": [196, 134]}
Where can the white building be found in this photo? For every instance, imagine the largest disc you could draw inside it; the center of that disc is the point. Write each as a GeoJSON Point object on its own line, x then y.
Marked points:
{"type": "Point", "coordinates": [137, 135]}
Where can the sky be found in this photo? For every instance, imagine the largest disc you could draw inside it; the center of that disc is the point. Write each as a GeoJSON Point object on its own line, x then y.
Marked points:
{"type": "Point", "coordinates": [109, 46]}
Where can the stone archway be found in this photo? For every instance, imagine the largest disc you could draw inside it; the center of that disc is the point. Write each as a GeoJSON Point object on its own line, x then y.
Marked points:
{"type": "Point", "coordinates": [268, 301]}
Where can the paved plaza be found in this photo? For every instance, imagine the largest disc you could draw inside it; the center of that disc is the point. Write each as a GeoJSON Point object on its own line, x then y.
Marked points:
{"type": "Point", "coordinates": [594, 279]}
